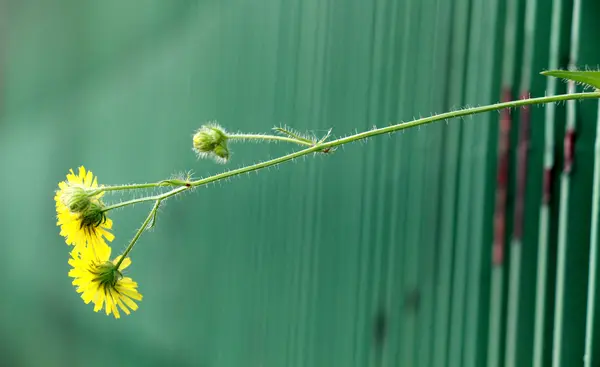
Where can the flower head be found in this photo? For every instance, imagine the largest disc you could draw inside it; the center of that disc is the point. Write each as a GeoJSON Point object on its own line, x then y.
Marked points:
{"type": "Point", "coordinates": [101, 281]}
{"type": "Point", "coordinates": [211, 141]}
{"type": "Point", "coordinates": [80, 213]}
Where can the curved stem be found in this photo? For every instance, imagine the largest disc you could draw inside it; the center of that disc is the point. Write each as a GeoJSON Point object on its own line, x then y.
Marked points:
{"type": "Point", "coordinates": [268, 137]}
{"type": "Point", "coordinates": [320, 147]}
{"type": "Point", "coordinates": [395, 128]}
{"type": "Point", "coordinates": [139, 233]}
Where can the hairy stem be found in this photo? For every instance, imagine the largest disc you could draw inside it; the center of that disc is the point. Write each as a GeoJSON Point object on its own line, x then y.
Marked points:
{"type": "Point", "coordinates": [148, 198]}
{"type": "Point", "coordinates": [320, 147]}
{"type": "Point", "coordinates": [315, 148]}
{"type": "Point", "coordinates": [267, 138]}
{"type": "Point", "coordinates": [124, 187]}
{"type": "Point", "coordinates": [139, 233]}
{"type": "Point", "coordinates": [395, 128]}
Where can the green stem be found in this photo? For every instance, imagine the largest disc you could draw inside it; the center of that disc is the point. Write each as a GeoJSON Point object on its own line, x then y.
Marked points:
{"type": "Point", "coordinates": [148, 198]}
{"type": "Point", "coordinates": [124, 187]}
{"type": "Point", "coordinates": [182, 183]}
{"type": "Point", "coordinates": [395, 128]}
{"type": "Point", "coordinates": [335, 143]}
{"type": "Point", "coordinates": [268, 137]}
{"type": "Point", "coordinates": [139, 233]}
{"type": "Point", "coordinates": [320, 147]}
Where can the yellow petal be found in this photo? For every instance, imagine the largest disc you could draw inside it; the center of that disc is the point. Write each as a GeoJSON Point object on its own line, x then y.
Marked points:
{"type": "Point", "coordinates": [89, 178]}
{"type": "Point", "coordinates": [99, 303]}
{"type": "Point", "coordinates": [131, 294]}
{"type": "Point", "coordinates": [123, 307]}
{"type": "Point", "coordinates": [124, 264]}
{"type": "Point", "coordinates": [115, 310]}
{"type": "Point", "coordinates": [129, 303]}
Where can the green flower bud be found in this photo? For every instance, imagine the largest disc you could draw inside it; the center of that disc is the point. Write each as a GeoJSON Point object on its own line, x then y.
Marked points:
{"type": "Point", "coordinates": [93, 216]}
{"type": "Point", "coordinates": [211, 141]}
{"type": "Point", "coordinates": [106, 274]}
{"type": "Point", "coordinates": [76, 199]}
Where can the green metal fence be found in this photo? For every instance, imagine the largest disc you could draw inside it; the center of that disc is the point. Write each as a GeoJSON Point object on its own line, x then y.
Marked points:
{"type": "Point", "coordinates": [466, 243]}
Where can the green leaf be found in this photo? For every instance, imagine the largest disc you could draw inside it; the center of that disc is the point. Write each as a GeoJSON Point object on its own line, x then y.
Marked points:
{"type": "Point", "coordinates": [587, 78]}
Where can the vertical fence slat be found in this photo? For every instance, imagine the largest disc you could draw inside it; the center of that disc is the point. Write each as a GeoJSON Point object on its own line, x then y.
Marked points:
{"type": "Point", "coordinates": [443, 325]}
{"type": "Point", "coordinates": [545, 208]}
{"type": "Point", "coordinates": [557, 344]}
{"type": "Point", "coordinates": [513, 301]}
{"type": "Point", "coordinates": [500, 215]}
{"type": "Point", "coordinates": [593, 271]}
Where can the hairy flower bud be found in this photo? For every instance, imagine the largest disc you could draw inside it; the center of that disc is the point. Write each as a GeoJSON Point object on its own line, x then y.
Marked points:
{"type": "Point", "coordinates": [211, 141]}
{"type": "Point", "coordinates": [76, 199]}
{"type": "Point", "coordinates": [93, 216]}
{"type": "Point", "coordinates": [106, 274]}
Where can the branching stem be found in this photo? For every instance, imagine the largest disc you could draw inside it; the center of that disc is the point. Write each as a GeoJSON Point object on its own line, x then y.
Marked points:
{"type": "Point", "coordinates": [139, 232]}
{"type": "Point", "coordinates": [312, 148]}
{"type": "Point", "coordinates": [335, 143]}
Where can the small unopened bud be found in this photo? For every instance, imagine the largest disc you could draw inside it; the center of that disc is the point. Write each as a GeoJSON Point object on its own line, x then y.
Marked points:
{"type": "Point", "coordinates": [76, 199]}
{"type": "Point", "coordinates": [93, 216]}
{"type": "Point", "coordinates": [211, 141]}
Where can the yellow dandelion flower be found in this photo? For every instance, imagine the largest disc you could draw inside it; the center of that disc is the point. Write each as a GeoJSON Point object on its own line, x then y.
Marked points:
{"type": "Point", "coordinates": [81, 218]}
{"type": "Point", "coordinates": [100, 281]}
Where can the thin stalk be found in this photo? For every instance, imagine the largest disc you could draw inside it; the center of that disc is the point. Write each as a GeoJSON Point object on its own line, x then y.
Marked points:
{"type": "Point", "coordinates": [395, 128]}
{"type": "Point", "coordinates": [322, 147]}
{"type": "Point", "coordinates": [148, 198]}
{"type": "Point", "coordinates": [268, 137]}
{"type": "Point", "coordinates": [125, 187]}
{"type": "Point", "coordinates": [139, 233]}
{"type": "Point", "coordinates": [326, 146]}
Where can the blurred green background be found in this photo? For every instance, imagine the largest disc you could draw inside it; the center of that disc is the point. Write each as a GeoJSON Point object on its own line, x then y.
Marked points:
{"type": "Point", "coordinates": [377, 255]}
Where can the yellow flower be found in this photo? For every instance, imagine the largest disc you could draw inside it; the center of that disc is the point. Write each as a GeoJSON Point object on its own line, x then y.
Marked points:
{"type": "Point", "coordinates": [101, 282]}
{"type": "Point", "coordinates": [81, 218]}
